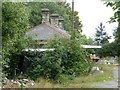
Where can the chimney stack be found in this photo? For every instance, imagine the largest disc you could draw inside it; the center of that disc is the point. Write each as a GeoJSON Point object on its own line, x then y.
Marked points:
{"type": "Point", "coordinates": [60, 23]}
{"type": "Point", "coordinates": [45, 15]}
{"type": "Point", "coordinates": [54, 19]}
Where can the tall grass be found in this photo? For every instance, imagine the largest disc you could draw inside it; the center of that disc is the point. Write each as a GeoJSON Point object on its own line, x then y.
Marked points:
{"type": "Point", "coordinates": [80, 81]}
{"type": "Point", "coordinates": [83, 81]}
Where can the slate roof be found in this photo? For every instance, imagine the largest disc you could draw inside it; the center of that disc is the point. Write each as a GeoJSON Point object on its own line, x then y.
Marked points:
{"type": "Point", "coordinates": [46, 31]}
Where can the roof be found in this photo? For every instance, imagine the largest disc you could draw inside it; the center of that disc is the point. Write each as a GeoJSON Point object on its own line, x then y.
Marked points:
{"type": "Point", "coordinates": [46, 31]}
{"type": "Point", "coordinates": [39, 50]}
{"type": "Point", "coordinates": [52, 49]}
{"type": "Point", "coordinates": [91, 46]}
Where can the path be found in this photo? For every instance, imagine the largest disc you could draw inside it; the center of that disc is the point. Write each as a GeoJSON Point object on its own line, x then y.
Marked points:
{"type": "Point", "coordinates": [113, 83]}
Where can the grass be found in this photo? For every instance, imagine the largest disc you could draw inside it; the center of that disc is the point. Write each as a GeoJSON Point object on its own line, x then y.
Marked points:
{"type": "Point", "coordinates": [81, 81]}
{"type": "Point", "coordinates": [69, 84]}
{"type": "Point", "coordinates": [78, 82]}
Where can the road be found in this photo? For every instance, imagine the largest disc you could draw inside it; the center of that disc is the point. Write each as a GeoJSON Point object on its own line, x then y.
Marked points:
{"type": "Point", "coordinates": [115, 83]}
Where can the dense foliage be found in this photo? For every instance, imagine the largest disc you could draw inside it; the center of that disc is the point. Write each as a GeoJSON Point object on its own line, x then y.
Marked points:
{"type": "Point", "coordinates": [113, 49]}
{"type": "Point", "coordinates": [116, 18]}
{"type": "Point", "coordinates": [68, 58]}
{"type": "Point", "coordinates": [14, 25]}
{"type": "Point", "coordinates": [106, 50]}
{"type": "Point", "coordinates": [115, 6]}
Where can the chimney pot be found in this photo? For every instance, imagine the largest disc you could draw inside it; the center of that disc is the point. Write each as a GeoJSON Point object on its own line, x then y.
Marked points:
{"type": "Point", "coordinates": [60, 23]}
{"type": "Point", "coordinates": [54, 19]}
{"type": "Point", "coordinates": [45, 15]}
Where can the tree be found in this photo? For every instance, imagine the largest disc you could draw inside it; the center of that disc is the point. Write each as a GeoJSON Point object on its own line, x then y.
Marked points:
{"type": "Point", "coordinates": [116, 7]}
{"type": "Point", "coordinates": [116, 18]}
{"type": "Point", "coordinates": [101, 35]}
{"type": "Point", "coordinates": [62, 8]}
{"type": "Point", "coordinates": [14, 25]}
{"type": "Point", "coordinates": [108, 49]}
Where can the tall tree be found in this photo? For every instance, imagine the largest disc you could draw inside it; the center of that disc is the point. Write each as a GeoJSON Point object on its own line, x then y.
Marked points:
{"type": "Point", "coordinates": [14, 25]}
{"type": "Point", "coordinates": [116, 18]}
{"type": "Point", "coordinates": [101, 35]}
{"type": "Point", "coordinates": [62, 8]}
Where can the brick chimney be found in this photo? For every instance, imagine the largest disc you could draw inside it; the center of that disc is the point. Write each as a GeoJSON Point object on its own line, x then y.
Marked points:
{"type": "Point", "coordinates": [54, 19]}
{"type": "Point", "coordinates": [60, 23]}
{"type": "Point", "coordinates": [45, 15]}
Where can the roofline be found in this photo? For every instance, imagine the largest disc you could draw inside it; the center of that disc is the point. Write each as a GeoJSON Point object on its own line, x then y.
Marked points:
{"type": "Point", "coordinates": [91, 46]}
{"type": "Point", "coordinates": [49, 25]}
{"type": "Point", "coordinates": [38, 49]}
{"type": "Point", "coordinates": [30, 29]}
{"type": "Point", "coordinates": [54, 28]}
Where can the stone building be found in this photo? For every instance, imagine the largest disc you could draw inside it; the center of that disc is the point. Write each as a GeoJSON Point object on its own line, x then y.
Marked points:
{"type": "Point", "coordinates": [50, 27]}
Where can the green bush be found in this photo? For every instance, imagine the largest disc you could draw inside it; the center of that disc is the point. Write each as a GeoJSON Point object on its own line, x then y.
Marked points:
{"type": "Point", "coordinates": [109, 49]}
{"type": "Point", "coordinates": [68, 58]}
{"type": "Point", "coordinates": [42, 64]}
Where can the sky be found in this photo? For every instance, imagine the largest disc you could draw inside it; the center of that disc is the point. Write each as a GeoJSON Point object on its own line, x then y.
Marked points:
{"type": "Point", "coordinates": [91, 13]}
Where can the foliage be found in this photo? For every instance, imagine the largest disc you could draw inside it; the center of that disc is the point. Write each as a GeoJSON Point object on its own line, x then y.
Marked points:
{"type": "Point", "coordinates": [101, 35]}
{"type": "Point", "coordinates": [68, 58]}
{"type": "Point", "coordinates": [85, 41]}
{"type": "Point", "coordinates": [116, 18]}
{"type": "Point", "coordinates": [115, 6]}
{"type": "Point", "coordinates": [62, 8]}
{"type": "Point", "coordinates": [14, 25]}
{"type": "Point", "coordinates": [73, 55]}
{"type": "Point", "coordinates": [110, 49]}
{"type": "Point", "coordinates": [117, 40]}
{"type": "Point", "coordinates": [85, 81]}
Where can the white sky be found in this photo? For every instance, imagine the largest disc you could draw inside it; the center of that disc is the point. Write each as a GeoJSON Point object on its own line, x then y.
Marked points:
{"type": "Point", "coordinates": [91, 13]}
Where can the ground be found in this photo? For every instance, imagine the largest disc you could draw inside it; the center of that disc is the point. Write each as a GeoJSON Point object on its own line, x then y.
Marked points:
{"type": "Point", "coordinates": [107, 79]}
{"type": "Point", "coordinates": [112, 83]}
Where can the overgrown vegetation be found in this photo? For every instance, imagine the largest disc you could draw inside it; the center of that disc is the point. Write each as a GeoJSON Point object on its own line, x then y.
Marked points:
{"type": "Point", "coordinates": [68, 59]}
{"type": "Point", "coordinates": [65, 63]}
{"type": "Point", "coordinates": [81, 81]}
{"type": "Point", "coordinates": [14, 25]}
{"type": "Point", "coordinates": [18, 17]}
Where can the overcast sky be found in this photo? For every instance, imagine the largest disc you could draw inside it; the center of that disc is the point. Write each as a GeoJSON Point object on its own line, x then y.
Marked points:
{"type": "Point", "coordinates": [91, 13]}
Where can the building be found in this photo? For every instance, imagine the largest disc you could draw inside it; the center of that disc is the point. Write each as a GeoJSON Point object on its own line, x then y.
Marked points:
{"type": "Point", "coordinates": [51, 26]}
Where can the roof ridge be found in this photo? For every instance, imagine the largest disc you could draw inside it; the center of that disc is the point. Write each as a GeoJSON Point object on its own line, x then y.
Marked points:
{"type": "Point", "coordinates": [35, 27]}
{"type": "Point", "coordinates": [56, 29]}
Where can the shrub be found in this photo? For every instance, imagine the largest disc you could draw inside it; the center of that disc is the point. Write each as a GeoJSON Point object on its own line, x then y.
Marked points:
{"type": "Point", "coordinates": [68, 59]}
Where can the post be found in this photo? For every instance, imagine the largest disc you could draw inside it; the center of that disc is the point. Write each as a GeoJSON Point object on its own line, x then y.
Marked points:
{"type": "Point", "coordinates": [73, 15]}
